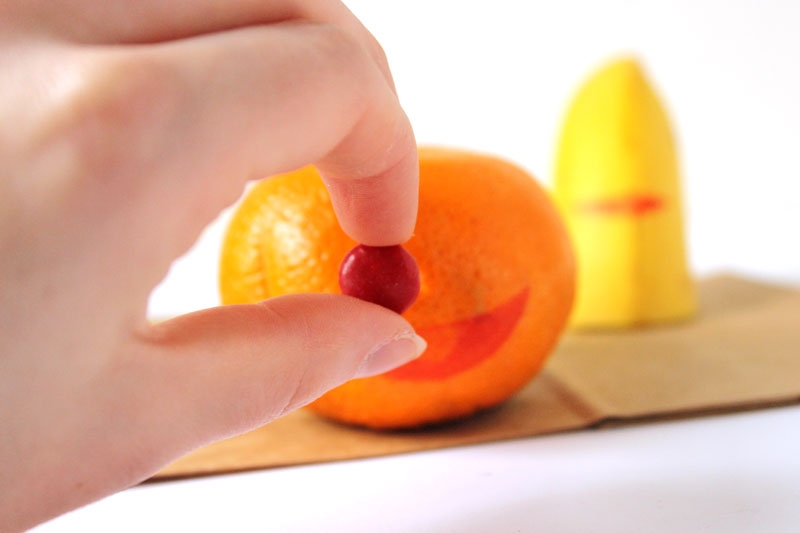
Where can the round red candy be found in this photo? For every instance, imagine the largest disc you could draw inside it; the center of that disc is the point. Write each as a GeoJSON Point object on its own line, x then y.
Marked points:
{"type": "Point", "coordinates": [384, 275]}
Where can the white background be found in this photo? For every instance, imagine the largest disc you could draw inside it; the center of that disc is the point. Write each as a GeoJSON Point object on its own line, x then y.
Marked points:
{"type": "Point", "coordinates": [496, 76]}
{"type": "Point", "coordinates": [728, 474]}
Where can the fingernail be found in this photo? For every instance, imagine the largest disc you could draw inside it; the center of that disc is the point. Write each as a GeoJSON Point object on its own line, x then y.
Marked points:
{"type": "Point", "coordinates": [392, 353]}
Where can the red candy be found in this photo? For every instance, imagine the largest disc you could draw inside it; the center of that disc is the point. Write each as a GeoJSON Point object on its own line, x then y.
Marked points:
{"type": "Point", "coordinates": [384, 275]}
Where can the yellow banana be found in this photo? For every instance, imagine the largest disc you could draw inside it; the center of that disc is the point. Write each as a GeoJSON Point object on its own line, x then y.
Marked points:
{"type": "Point", "coordinates": [618, 187]}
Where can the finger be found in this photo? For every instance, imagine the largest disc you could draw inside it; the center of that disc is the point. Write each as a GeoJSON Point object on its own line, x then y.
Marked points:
{"type": "Point", "coordinates": [200, 378]}
{"type": "Point", "coordinates": [226, 370]}
{"type": "Point", "coordinates": [151, 21]}
{"type": "Point", "coordinates": [255, 102]}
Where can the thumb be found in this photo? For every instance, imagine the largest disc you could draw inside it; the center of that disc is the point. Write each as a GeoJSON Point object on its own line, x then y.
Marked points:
{"type": "Point", "coordinates": [215, 373]}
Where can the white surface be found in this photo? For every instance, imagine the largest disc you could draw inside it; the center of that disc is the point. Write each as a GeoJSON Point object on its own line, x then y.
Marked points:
{"type": "Point", "coordinates": [497, 76]}
{"type": "Point", "coordinates": [734, 473]}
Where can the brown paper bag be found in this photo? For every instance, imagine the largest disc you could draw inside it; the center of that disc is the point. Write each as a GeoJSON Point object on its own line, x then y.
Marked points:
{"type": "Point", "coordinates": [741, 352]}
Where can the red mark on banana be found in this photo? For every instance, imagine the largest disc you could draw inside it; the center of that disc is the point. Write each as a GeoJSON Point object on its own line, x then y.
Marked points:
{"type": "Point", "coordinates": [632, 205]}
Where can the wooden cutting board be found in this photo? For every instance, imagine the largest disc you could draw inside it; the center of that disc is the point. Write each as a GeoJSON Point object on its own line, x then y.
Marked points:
{"type": "Point", "coordinates": [741, 352]}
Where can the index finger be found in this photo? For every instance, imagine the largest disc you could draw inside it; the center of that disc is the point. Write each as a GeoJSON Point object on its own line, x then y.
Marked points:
{"type": "Point", "coordinates": [373, 175]}
{"type": "Point", "coordinates": [345, 114]}
{"type": "Point", "coordinates": [195, 118]}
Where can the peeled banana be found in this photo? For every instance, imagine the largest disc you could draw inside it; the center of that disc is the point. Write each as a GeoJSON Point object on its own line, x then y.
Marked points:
{"type": "Point", "coordinates": [617, 184]}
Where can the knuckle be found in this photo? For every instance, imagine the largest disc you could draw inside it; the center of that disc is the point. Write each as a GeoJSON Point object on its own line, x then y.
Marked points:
{"type": "Point", "coordinates": [346, 66]}
{"type": "Point", "coordinates": [115, 113]}
{"type": "Point", "coordinates": [378, 52]}
{"type": "Point", "coordinates": [340, 51]}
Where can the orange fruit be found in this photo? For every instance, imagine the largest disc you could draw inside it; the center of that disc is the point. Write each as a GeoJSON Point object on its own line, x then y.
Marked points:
{"type": "Point", "coordinates": [497, 279]}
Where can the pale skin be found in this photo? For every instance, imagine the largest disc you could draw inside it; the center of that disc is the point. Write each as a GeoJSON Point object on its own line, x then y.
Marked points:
{"type": "Point", "coordinates": [125, 127]}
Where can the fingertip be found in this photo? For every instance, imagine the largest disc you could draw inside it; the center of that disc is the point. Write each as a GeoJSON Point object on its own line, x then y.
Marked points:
{"type": "Point", "coordinates": [391, 354]}
{"type": "Point", "coordinates": [379, 210]}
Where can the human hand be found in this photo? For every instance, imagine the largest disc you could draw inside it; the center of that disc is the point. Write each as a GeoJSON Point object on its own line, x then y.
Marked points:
{"type": "Point", "coordinates": [126, 127]}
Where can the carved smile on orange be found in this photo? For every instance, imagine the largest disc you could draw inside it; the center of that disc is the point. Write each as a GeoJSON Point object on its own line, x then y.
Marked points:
{"type": "Point", "coordinates": [460, 345]}
{"type": "Point", "coordinates": [635, 204]}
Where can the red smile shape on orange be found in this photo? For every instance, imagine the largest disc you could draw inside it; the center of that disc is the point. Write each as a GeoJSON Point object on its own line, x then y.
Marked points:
{"type": "Point", "coordinates": [460, 345]}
